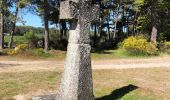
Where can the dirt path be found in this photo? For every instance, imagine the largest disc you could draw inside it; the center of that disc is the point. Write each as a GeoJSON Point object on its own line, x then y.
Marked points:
{"type": "Point", "coordinates": [18, 66]}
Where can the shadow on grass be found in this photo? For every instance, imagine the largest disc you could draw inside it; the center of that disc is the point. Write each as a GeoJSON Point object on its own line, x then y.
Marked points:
{"type": "Point", "coordinates": [119, 93]}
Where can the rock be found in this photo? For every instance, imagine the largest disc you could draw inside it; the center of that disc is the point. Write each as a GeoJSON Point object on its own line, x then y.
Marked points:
{"type": "Point", "coordinates": [46, 97]}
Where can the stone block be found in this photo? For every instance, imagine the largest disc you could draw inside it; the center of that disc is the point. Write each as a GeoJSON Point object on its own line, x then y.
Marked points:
{"type": "Point", "coordinates": [76, 82]}
{"type": "Point", "coordinates": [46, 97]}
{"type": "Point", "coordinates": [68, 9]}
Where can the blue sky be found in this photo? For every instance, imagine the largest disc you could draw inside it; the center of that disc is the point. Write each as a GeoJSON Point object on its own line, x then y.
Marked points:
{"type": "Point", "coordinates": [31, 20]}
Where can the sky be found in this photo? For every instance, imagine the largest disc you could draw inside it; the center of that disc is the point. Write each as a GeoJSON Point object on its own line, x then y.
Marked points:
{"type": "Point", "coordinates": [31, 20]}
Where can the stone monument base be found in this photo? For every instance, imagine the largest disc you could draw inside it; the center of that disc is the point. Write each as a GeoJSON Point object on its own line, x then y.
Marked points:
{"type": "Point", "coordinates": [46, 97]}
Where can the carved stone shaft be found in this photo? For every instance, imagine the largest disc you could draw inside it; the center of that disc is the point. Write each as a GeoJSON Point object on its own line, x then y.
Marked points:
{"type": "Point", "coordinates": [76, 82]}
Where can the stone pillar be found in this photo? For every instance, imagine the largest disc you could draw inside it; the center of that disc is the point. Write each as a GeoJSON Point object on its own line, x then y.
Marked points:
{"type": "Point", "coordinates": [76, 83]}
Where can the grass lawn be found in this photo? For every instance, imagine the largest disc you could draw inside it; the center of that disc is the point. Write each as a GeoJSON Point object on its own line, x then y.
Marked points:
{"type": "Point", "coordinates": [129, 84]}
{"type": "Point", "coordinates": [18, 39]}
{"type": "Point", "coordinates": [58, 54]}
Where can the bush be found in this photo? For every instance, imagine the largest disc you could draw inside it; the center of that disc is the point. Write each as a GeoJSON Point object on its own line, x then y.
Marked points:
{"type": "Point", "coordinates": [18, 49]}
{"type": "Point", "coordinates": [40, 52]}
{"type": "Point", "coordinates": [167, 45]}
{"type": "Point", "coordinates": [139, 45]}
{"type": "Point", "coordinates": [58, 42]}
{"type": "Point", "coordinates": [31, 39]}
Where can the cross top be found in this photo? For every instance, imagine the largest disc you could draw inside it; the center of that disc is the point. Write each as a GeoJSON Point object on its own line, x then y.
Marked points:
{"type": "Point", "coordinates": [83, 10]}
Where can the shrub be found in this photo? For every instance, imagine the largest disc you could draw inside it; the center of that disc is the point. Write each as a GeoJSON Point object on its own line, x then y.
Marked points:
{"type": "Point", "coordinates": [18, 49]}
{"type": "Point", "coordinates": [57, 41]}
{"type": "Point", "coordinates": [139, 45]}
{"type": "Point", "coordinates": [40, 52]}
{"type": "Point", "coordinates": [167, 45]}
{"type": "Point", "coordinates": [31, 39]}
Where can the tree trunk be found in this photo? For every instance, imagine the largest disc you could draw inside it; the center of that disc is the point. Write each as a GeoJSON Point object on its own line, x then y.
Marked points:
{"type": "Point", "coordinates": [95, 34]}
{"type": "Point", "coordinates": [154, 21]}
{"type": "Point", "coordinates": [100, 27]}
{"type": "Point", "coordinates": [115, 25]}
{"type": "Point", "coordinates": [63, 29]}
{"type": "Point", "coordinates": [60, 29]}
{"type": "Point", "coordinates": [1, 31]}
{"type": "Point", "coordinates": [100, 21]}
{"type": "Point", "coordinates": [134, 23]}
{"type": "Point", "coordinates": [46, 36]}
{"type": "Point", "coordinates": [13, 29]}
{"type": "Point", "coordinates": [108, 29]}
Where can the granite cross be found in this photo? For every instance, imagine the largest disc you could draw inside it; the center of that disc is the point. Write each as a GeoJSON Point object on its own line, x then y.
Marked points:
{"type": "Point", "coordinates": [76, 82]}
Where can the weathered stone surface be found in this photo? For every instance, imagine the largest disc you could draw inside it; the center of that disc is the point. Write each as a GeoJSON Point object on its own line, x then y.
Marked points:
{"type": "Point", "coordinates": [46, 97]}
{"type": "Point", "coordinates": [67, 9]}
{"type": "Point", "coordinates": [77, 77]}
{"type": "Point", "coordinates": [78, 33]}
{"type": "Point", "coordinates": [76, 83]}
{"type": "Point", "coordinates": [79, 9]}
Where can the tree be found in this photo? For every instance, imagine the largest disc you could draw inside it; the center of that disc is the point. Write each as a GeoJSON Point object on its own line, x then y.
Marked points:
{"type": "Point", "coordinates": [18, 4]}
{"type": "Point", "coordinates": [4, 4]}
{"type": "Point", "coordinates": [154, 20]}
{"type": "Point", "coordinates": [44, 8]}
{"type": "Point", "coordinates": [1, 28]}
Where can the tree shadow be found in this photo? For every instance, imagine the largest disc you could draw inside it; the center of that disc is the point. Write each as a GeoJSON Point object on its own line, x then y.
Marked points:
{"type": "Point", "coordinates": [119, 93]}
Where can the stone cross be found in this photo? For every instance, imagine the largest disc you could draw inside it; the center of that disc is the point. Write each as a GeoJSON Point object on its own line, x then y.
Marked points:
{"type": "Point", "coordinates": [76, 82]}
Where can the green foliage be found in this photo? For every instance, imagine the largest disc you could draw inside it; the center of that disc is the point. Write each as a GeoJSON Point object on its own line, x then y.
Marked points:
{"type": "Point", "coordinates": [16, 40]}
{"type": "Point", "coordinates": [31, 39]}
{"type": "Point", "coordinates": [58, 42]}
{"type": "Point", "coordinates": [167, 45]}
{"type": "Point", "coordinates": [18, 49]}
{"type": "Point", "coordinates": [40, 52]}
{"type": "Point", "coordinates": [21, 30]}
{"type": "Point", "coordinates": [137, 45]}
{"type": "Point", "coordinates": [165, 48]}
{"type": "Point", "coordinates": [138, 4]}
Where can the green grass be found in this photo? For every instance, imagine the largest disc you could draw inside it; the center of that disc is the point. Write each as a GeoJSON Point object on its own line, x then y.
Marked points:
{"type": "Point", "coordinates": [107, 83]}
{"type": "Point", "coordinates": [17, 39]}
{"type": "Point", "coordinates": [58, 54]}
{"type": "Point", "coordinates": [125, 53]}
{"type": "Point", "coordinates": [118, 53]}
{"type": "Point", "coordinates": [15, 83]}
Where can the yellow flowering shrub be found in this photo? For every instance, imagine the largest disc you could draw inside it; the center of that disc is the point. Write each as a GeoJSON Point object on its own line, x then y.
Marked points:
{"type": "Point", "coordinates": [167, 44]}
{"type": "Point", "coordinates": [18, 49]}
{"type": "Point", "coordinates": [139, 46]}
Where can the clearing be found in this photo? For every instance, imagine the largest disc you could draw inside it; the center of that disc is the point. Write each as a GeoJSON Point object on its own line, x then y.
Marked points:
{"type": "Point", "coordinates": [52, 65]}
{"type": "Point", "coordinates": [122, 78]}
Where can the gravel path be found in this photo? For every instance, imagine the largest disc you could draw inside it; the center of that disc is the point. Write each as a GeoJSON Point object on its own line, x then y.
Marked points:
{"type": "Point", "coordinates": [18, 66]}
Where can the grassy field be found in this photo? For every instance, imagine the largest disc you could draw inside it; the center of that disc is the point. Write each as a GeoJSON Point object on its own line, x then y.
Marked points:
{"type": "Point", "coordinates": [18, 39]}
{"type": "Point", "coordinates": [60, 55]}
{"type": "Point", "coordinates": [129, 84]}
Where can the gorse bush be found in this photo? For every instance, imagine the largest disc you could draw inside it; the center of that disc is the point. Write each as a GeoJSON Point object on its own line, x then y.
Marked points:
{"type": "Point", "coordinates": [139, 46]}
{"type": "Point", "coordinates": [18, 49]}
{"type": "Point", "coordinates": [167, 45]}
